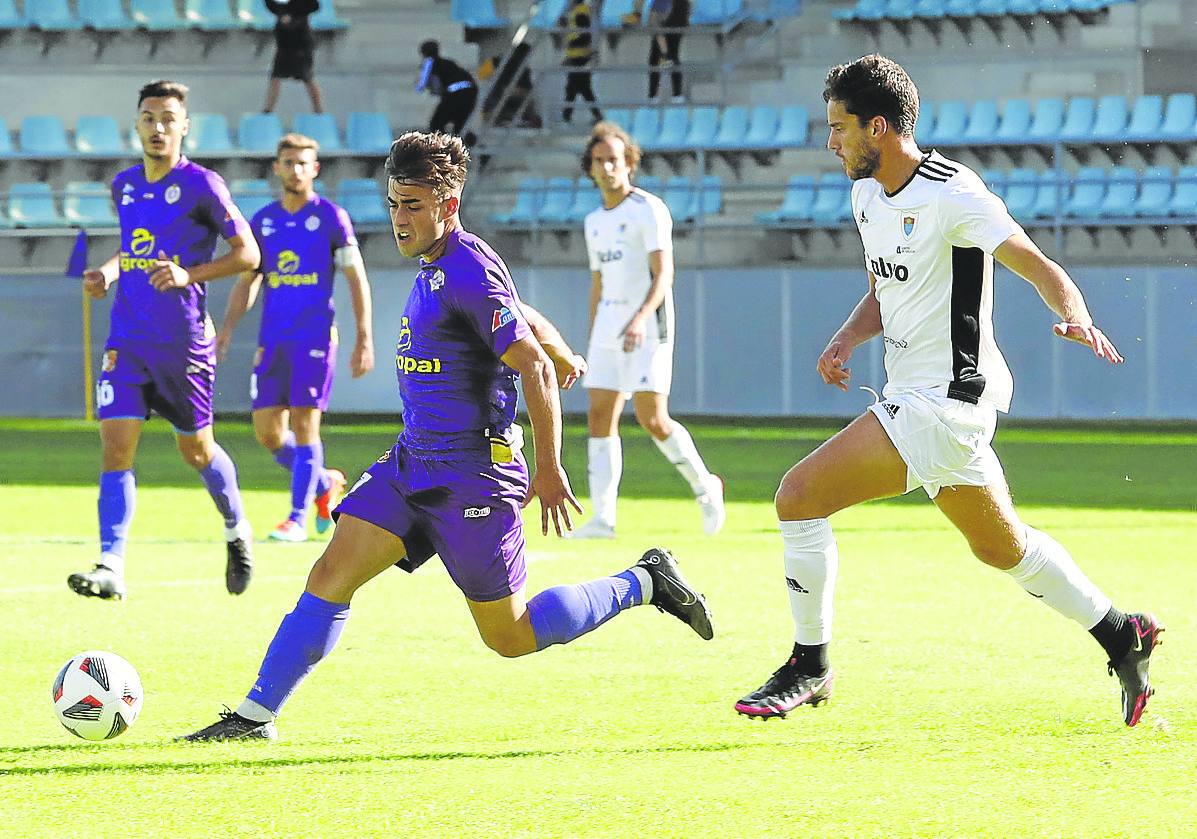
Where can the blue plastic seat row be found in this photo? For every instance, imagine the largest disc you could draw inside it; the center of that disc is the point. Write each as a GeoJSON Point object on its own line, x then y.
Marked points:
{"type": "Point", "coordinates": [1151, 118]}
{"type": "Point", "coordinates": [822, 201]}
{"type": "Point", "coordinates": [46, 136]}
{"type": "Point", "coordinates": [89, 203]}
{"type": "Point", "coordinates": [712, 129]}
{"type": "Point", "coordinates": [154, 16]}
{"type": "Point", "coordinates": [867, 11]}
{"type": "Point", "coordinates": [561, 202]}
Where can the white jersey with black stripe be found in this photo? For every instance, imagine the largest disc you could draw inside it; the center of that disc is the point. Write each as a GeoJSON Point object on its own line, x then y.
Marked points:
{"type": "Point", "coordinates": [618, 243]}
{"type": "Point", "coordinates": [930, 247]}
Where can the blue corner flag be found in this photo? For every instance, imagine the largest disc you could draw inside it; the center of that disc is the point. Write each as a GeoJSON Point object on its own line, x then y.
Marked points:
{"type": "Point", "coordinates": [78, 261]}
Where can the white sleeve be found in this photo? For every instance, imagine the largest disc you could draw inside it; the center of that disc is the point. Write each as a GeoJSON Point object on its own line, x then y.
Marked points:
{"type": "Point", "coordinates": [971, 216]}
{"type": "Point", "coordinates": [592, 255]}
{"type": "Point", "coordinates": [657, 227]}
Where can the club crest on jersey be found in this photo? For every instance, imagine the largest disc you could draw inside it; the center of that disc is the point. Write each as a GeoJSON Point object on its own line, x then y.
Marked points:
{"type": "Point", "coordinates": [172, 194]}
{"type": "Point", "coordinates": [109, 361]}
{"type": "Point", "coordinates": [908, 222]}
{"type": "Point", "coordinates": [312, 223]}
{"type": "Point", "coordinates": [436, 279]}
{"type": "Point", "coordinates": [501, 318]}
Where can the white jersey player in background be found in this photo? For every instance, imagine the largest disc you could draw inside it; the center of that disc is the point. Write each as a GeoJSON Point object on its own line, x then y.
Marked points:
{"type": "Point", "coordinates": [931, 231]}
{"type": "Point", "coordinates": [629, 241]}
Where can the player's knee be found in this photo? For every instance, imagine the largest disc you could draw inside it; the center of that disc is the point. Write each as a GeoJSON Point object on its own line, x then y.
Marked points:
{"type": "Point", "coordinates": [1000, 556]}
{"type": "Point", "coordinates": [656, 425]}
{"type": "Point", "coordinates": [270, 439]}
{"type": "Point", "coordinates": [507, 644]}
{"type": "Point", "coordinates": [796, 500]}
{"type": "Point", "coordinates": [327, 581]}
{"type": "Point", "coordinates": [193, 453]}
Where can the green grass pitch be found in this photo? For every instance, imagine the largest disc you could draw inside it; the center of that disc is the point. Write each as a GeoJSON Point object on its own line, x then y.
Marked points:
{"type": "Point", "coordinates": [962, 707]}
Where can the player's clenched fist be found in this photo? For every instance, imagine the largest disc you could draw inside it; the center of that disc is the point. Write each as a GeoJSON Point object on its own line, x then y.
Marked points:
{"type": "Point", "coordinates": [95, 284]}
{"type": "Point", "coordinates": [168, 274]}
{"type": "Point", "coordinates": [831, 365]}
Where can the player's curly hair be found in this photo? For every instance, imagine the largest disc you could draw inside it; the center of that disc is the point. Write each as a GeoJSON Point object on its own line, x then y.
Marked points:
{"type": "Point", "coordinates": [608, 131]}
{"type": "Point", "coordinates": [430, 158]}
{"type": "Point", "coordinates": [163, 89]}
{"type": "Point", "coordinates": [872, 86]}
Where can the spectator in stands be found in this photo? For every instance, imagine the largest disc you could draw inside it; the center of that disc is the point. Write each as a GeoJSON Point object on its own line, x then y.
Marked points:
{"type": "Point", "coordinates": [294, 50]}
{"type": "Point", "coordinates": [579, 53]}
{"type": "Point", "coordinates": [452, 83]}
{"type": "Point", "coordinates": [666, 46]}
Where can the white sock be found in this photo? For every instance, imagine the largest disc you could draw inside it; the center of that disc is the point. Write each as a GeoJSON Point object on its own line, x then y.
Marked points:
{"type": "Point", "coordinates": [679, 450]}
{"type": "Point", "coordinates": [1048, 572]}
{"type": "Point", "coordinates": [604, 470]}
{"type": "Point", "coordinates": [812, 560]}
{"type": "Point", "coordinates": [114, 561]}
{"type": "Point", "coordinates": [646, 583]}
{"type": "Point", "coordinates": [253, 711]}
{"type": "Point", "coordinates": [241, 530]}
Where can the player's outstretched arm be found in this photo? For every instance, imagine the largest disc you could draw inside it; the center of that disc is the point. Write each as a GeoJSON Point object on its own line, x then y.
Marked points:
{"type": "Point", "coordinates": [241, 300]}
{"type": "Point", "coordinates": [97, 280]}
{"type": "Point", "coordinates": [568, 364]}
{"type": "Point", "coordinates": [864, 323]}
{"type": "Point", "coordinates": [1059, 292]}
{"type": "Point", "coordinates": [362, 360]}
{"type": "Point", "coordinates": [549, 482]}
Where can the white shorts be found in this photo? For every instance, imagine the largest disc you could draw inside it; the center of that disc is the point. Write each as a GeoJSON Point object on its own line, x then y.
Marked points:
{"type": "Point", "coordinates": [945, 442]}
{"type": "Point", "coordinates": [649, 367]}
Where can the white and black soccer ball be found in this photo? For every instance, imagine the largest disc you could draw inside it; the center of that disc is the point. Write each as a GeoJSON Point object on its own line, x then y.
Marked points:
{"type": "Point", "coordinates": [97, 695]}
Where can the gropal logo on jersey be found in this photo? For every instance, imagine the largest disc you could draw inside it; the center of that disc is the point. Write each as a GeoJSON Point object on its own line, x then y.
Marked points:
{"type": "Point", "coordinates": [288, 264]}
{"type": "Point", "coordinates": [141, 254]}
{"type": "Point", "coordinates": [405, 363]}
{"type": "Point", "coordinates": [887, 270]}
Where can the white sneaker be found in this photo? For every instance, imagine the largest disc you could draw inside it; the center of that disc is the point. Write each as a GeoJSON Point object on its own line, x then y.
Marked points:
{"type": "Point", "coordinates": [711, 504]}
{"type": "Point", "coordinates": [593, 529]}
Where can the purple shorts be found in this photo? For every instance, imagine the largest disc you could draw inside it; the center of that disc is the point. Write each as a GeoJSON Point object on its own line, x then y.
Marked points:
{"type": "Point", "coordinates": [293, 375]}
{"type": "Point", "coordinates": [176, 382]}
{"type": "Point", "coordinates": [466, 510]}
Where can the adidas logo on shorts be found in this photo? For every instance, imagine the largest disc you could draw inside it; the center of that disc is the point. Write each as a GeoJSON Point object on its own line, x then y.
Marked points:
{"type": "Point", "coordinates": [891, 409]}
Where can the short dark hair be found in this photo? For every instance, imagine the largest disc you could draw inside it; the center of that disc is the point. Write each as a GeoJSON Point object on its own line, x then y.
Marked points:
{"type": "Point", "coordinates": [430, 49]}
{"type": "Point", "coordinates": [430, 158]}
{"type": "Point", "coordinates": [611, 131]}
{"type": "Point", "coordinates": [163, 89]}
{"type": "Point", "coordinates": [872, 86]}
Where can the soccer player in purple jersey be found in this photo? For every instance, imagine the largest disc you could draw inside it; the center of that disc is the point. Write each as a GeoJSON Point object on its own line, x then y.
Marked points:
{"type": "Point", "coordinates": [455, 480]}
{"type": "Point", "coordinates": [159, 355]}
{"type": "Point", "coordinates": [304, 238]}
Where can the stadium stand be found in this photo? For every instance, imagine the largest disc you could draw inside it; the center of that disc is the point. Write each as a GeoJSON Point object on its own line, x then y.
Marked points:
{"type": "Point", "coordinates": [477, 14]}
{"type": "Point", "coordinates": [210, 15]}
{"type": "Point", "coordinates": [88, 204]}
{"type": "Point", "coordinates": [326, 18]}
{"type": "Point", "coordinates": [368, 133]}
{"type": "Point", "coordinates": [51, 16]}
{"type": "Point", "coordinates": [32, 205]}
{"type": "Point", "coordinates": [322, 128]}
{"type": "Point", "coordinates": [209, 134]}
{"type": "Point", "coordinates": [44, 136]}
{"type": "Point", "coordinates": [362, 199]}
{"type": "Point", "coordinates": [156, 15]}
{"type": "Point", "coordinates": [253, 14]}
{"type": "Point", "coordinates": [251, 194]}
{"type": "Point", "coordinates": [259, 133]}
{"type": "Point", "coordinates": [99, 136]}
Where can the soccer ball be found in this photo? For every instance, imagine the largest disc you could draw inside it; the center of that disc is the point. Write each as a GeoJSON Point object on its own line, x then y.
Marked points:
{"type": "Point", "coordinates": [97, 695]}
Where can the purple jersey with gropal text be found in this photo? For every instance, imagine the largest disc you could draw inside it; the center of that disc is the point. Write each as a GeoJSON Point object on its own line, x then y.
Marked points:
{"type": "Point", "coordinates": [181, 216]}
{"type": "Point", "coordinates": [298, 269]}
{"type": "Point", "coordinates": [461, 316]}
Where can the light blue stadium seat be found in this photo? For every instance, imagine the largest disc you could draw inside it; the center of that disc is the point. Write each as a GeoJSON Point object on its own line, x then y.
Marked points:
{"type": "Point", "coordinates": [1146, 119]}
{"type": "Point", "coordinates": [762, 127]}
{"type": "Point", "coordinates": [476, 14]}
{"type": "Point", "coordinates": [1055, 7]}
{"type": "Point", "coordinates": [1184, 199]}
{"type": "Point", "coordinates": [613, 11]}
{"type": "Point", "coordinates": [104, 15]}
{"type": "Point", "coordinates": [1121, 191]}
{"type": "Point", "coordinates": [1050, 195]}
{"type": "Point", "coordinates": [548, 13]}
{"type": "Point", "coordinates": [44, 135]}
{"type": "Point", "coordinates": [704, 125]}
{"type": "Point", "coordinates": [733, 128]}
{"type": "Point", "coordinates": [930, 9]}
{"type": "Point", "coordinates": [10, 18]}
{"type": "Point", "coordinates": [32, 205]}
{"type": "Point", "coordinates": [1078, 120]}
{"type": "Point", "coordinates": [960, 8]}
{"type": "Point", "coordinates": [833, 201]}
{"type": "Point", "coordinates": [368, 132]}
{"type": "Point", "coordinates": [99, 135]}
{"type": "Point", "coordinates": [51, 16]}
{"type": "Point", "coordinates": [1015, 124]}
{"type": "Point", "coordinates": [210, 15]}
{"type": "Point", "coordinates": [320, 127]}
{"type": "Point", "coordinates": [1180, 117]}
{"type": "Point", "coordinates": [992, 8]}
{"type": "Point", "coordinates": [650, 183]}
{"type": "Point", "coordinates": [715, 12]}
{"type": "Point", "coordinates": [1022, 188]}
{"type": "Point", "coordinates": [155, 15]}
{"type": "Point", "coordinates": [620, 116]}
{"type": "Point", "coordinates": [1109, 123]}
{"type": "Point", "coordinates": [1047, 122]}
{"type": "Point", "coordinates": [775, 10]}
{"type": "Point", "coordinates": [363, 200]}
{"type": "Point", "coordinates": [252, 14]}
{"type": "Point", "coordinates": [951, 118]}
{"type": "Point", "coordinates": [982, 123]}
{"type": "Point", "coordinates": [259, 132]}
{"type": "Point", "coordinates": [88, 204]}
{"type": "Point", "coordinates": [793, 130]}
{"type": "Point", "coordinates": [900, 10]}
{"type": "Point", "coordinates": [675, 121]}
{"type": "Point", "coordinates": [1087, 192]}
{"type": "Point", "coordinates": [5, 139]}
{"type": "Point", "coordinates": [586, 199]}
{"type": "Point", "coordinates": [528, 198]}
{"type": "Point", "coordinates": [209, 134]}
{"type": "Point", "coordinates": [558, 200]}
{"type": "Point", "coordinates": [251, 194]}
{"type": "Point", "coordinates": [680, 198]}
{"type": "Point", "coordinates": [1155, 192]}
{"type": "Point", "coordinates": [864, 10]}
{"type": "Point", "coordinates": [795, 204]}
{"type": "Point", "coordinates": [646, 125]}
{"type": "Point", "coordinates": [926, 121]}
{"type": "Point", "coordinates": [1021, 7]}
{"type": "Point", "coordinates": [995, 179]}
{"type": "Point", "coordinates": [708, 198]}
{"type": "Point", "coordinates": [326, 18]}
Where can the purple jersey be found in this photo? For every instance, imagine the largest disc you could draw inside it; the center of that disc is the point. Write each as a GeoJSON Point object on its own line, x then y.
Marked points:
{"type": "Point", "coordinates": [298, 269]}
{"type": "Point", "coordinates": [461, 316]}
{"type": "Point", "coordinates": [181, 215]}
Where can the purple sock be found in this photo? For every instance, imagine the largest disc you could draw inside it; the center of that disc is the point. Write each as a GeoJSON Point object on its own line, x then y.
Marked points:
{"type": "Point", "coordinates": [118, 496]}
{"type": "Point", "coordinates": [562, 613]}
{"type": "Point", "coordinates": [284, 455]}
{"type": "Point", "coordinates": [306, 635]}
{"type": "Point", "coordinates": [309, 465]}
{"type": "Point", "coordinates": [220, 477]}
